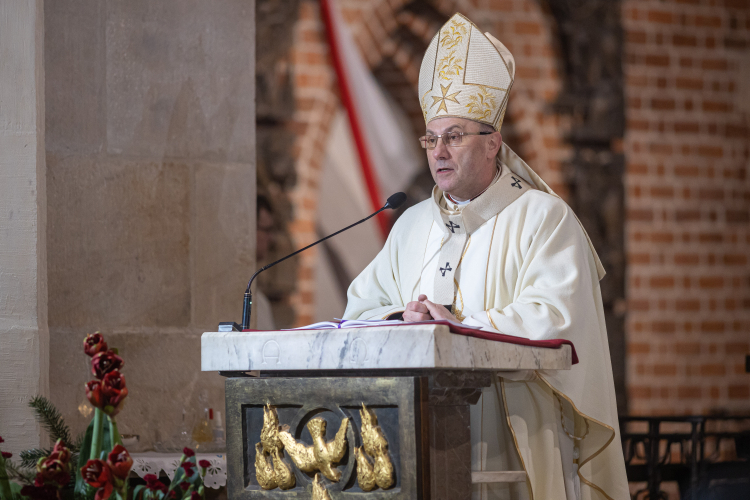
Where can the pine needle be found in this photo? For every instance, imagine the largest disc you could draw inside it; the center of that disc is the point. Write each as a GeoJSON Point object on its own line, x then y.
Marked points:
{"type": "Point", "coordinates": [29, 458]}
{"type": "Point", "coordinates": [15, 472]}
{"type": "Point", "coordinates": [51, 420]}
{"type": "Point", "coordinates": [76, 447]}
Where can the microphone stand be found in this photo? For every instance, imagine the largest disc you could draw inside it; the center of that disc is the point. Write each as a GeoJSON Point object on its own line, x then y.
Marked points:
{"type": "Point", "coordinates": [394, 201]}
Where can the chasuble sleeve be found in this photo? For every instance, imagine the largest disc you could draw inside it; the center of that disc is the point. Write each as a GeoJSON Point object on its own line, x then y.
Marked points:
{"type": "Point", "coordinates": [553, 292]}
{"type": "Point", "coordinates": [374, 294]}
{"type": "Point", "coordinates": [387, 283]}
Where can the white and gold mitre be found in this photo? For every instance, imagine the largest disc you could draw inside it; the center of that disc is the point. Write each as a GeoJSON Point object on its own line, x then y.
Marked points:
{"type": "Point", "coordinates": [465, 74]}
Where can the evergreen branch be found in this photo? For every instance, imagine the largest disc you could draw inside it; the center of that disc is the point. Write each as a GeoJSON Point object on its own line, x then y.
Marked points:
{"type": "Point", "coordinates": [51, 419]}
{"type": "Point", "coordinates": [75, 447]}
{"type": "Point", "coordinates": [14, 472]}
{"type": "Point", "coordinates": [29, 458]}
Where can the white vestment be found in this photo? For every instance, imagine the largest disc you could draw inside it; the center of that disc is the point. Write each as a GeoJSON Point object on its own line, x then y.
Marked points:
{"type": "Point", "coordinates": [527, 271]}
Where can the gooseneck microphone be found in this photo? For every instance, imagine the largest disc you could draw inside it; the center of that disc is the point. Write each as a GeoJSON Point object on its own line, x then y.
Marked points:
{"type": "Point", "coordinates": [394, 201]}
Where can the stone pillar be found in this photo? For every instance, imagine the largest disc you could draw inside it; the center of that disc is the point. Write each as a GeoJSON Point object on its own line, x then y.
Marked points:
{"type": "Point", "coordinates": [24, 338]}
{"type": "Point", "coordinates": [450, 395]}
{"type": "Point", "coordinates": [151, 174]}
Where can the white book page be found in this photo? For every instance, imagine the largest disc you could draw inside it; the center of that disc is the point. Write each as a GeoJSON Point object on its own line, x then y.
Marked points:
{"type": "Point", "coordinates": [361, 323]}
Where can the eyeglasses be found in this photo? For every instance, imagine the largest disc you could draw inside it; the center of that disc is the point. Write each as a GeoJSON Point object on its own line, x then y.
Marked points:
{"type": "Point", "coordinates": [449, 138]}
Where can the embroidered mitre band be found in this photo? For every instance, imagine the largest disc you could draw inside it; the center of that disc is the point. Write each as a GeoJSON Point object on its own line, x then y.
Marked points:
{"type": "Point", "coordinates": [465, 74]}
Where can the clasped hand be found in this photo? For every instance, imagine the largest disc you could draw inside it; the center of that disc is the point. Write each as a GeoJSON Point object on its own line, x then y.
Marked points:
{"type": "Point", "coordinates": [424, 310]}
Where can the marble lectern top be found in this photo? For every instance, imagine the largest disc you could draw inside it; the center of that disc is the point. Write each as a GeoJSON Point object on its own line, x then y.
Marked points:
{"type": "Point", "coordinates": [382, 347]}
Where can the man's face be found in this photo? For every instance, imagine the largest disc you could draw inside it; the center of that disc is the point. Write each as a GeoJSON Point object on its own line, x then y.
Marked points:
{"type": "Point", "coordinates": [462, 171]}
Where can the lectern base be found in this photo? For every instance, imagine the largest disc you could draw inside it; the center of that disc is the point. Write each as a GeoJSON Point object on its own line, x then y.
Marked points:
{"type": "Point", "coordinates": [423, 417]}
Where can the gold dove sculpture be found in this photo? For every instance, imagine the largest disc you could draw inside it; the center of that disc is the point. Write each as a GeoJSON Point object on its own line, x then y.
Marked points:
{"type": "Point", "coordinates": [270, 469]}
{"type": "Point", "coordinates": [319, 491]}
{"type": "Point", "coordinates": [321, 455]}
{"type": "Point", "coordinates": [375, 447]}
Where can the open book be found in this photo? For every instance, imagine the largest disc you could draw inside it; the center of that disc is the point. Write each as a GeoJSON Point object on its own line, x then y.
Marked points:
{"type": "Point", "coordinates": [361, 323]}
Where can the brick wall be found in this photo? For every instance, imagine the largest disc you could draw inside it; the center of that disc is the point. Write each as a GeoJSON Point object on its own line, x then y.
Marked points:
{"type": "Point", "coordinates": [688, 199]}
{"type": "Point", "coordinates": [687, 71]}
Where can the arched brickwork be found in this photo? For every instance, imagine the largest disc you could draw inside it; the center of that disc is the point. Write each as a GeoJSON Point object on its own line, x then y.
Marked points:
{"type": "Point", "coordinates": [392, 36]}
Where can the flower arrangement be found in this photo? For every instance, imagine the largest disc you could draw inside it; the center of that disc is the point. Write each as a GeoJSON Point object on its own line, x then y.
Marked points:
{"type": "Point", "coordinates": [96, 466]}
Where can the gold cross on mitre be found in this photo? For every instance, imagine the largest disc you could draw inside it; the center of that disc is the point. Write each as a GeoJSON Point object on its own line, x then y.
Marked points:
{"type": "Point", "coordinates": [445, 97]}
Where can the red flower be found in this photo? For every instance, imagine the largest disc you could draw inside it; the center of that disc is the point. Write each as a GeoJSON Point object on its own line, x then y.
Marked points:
{"type": "Point", "coordinates": [195, 496]}
{"type": "Point", "coordinates": [96, 473]}
{"type": "Point", "coordinates": [205, 464]}
{"type": "Point", "coordinates": [94, 393]}
{"type": "Point", "coordinates": [60, 452]}
{"type": "Point", "coordinates": [172, 495]}
{"type": "Point", "coordinates": [2, 440]}
{"type": "Point", "coordinates": [108, 394]}
{"type": "Point", "coordinates": [105, 492]}
{"type": "Point", "coordinates": [52, 471]}
{"type": "Point", "coordinates": [94, 344]}
{"type": "Point", "coordinates": [6, 454]}
{"type": "Point", "coordinates": [114, 391]}
{"type": "Point", "coordinates": [120, 462]}
{"type": "Point", "coordinates": [153, 483]}
{"type": "Point", "coordinates": [188, 452]}
{"type": "Point", "coordinates": [188, 466]}
{"type": "Point", "coordinates": [104, 362]}
{"type": "Point", "coordinates": [184, 486]}
{"type": "Point", "coordinates": [40, 492]}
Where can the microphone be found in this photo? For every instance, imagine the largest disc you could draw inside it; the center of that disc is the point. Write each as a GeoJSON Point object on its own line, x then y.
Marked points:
{"type": "Point", "coordinates": [393, 202]}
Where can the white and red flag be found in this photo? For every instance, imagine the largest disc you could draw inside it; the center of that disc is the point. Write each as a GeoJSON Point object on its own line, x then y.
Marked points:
{"type": "Point", "coordinates": [387, 154]}
{"type": "Point", "coordinates": [371, 153]}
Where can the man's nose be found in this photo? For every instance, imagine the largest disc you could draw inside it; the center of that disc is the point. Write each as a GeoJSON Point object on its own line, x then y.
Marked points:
{"type": "Point", "coordinates": [440, 152]}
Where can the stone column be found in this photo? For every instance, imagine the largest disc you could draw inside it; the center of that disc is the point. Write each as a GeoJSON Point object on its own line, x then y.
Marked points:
{"type": "Point", "coordinates": [24, 338]}
{"type": "Point", "coordinates": [151, 173]}
{"type": "Point", "coordinates": [451, 393]}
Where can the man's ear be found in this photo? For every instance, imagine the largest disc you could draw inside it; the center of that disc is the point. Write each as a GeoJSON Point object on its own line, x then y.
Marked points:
{"type": "Point", "coordinates": [494, 142]}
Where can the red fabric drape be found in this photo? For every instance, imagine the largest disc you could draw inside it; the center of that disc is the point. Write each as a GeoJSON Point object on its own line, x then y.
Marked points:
{"type": "Point", "coordinates": [368, 172]}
